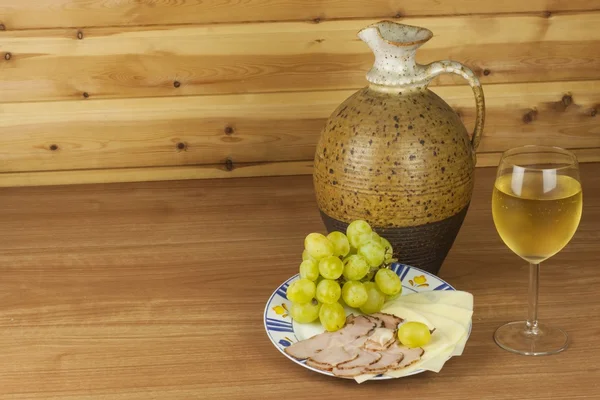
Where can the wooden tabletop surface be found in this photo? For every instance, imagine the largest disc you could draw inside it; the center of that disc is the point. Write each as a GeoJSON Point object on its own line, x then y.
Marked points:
{"type": "Point", "coordinates": [157, 290]}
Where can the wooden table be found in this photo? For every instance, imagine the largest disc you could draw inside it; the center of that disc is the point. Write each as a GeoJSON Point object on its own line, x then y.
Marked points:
{"type": "Point", "coordinates": [156, 291]}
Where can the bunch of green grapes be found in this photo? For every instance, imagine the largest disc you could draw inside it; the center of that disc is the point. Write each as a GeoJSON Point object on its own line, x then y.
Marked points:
{"type": "Point", "coordinates": [351, 268]}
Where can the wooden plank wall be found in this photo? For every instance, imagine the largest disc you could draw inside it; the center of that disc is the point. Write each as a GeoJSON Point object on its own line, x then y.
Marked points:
{"type": "Point", "coordinates": [126, 90]}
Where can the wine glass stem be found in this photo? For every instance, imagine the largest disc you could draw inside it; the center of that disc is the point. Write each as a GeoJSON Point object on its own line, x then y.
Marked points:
{"type": "Point", "coordinates": [534, 285]}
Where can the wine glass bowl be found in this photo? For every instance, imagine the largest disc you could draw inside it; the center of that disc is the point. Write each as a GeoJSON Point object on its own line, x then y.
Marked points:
{"type": "Point", "coordinates": [536, 207]}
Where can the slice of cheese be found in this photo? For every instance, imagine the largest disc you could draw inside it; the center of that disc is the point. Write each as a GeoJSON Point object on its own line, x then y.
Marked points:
{"type": "Point", "coordinates": [443, 341]}
{"type": "Point", "coordinates": [448, 297]}
{"type": "Point", "coordinates": [460, 346]}
{"type": "Point", "coordinates": [457, 314]}
{"type": "Point", "coordinates": [449, 312]}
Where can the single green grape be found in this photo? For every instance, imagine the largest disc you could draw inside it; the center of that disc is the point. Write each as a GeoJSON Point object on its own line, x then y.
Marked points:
{"type": "Point", "coordinates": [332, 316]}
{"type": "Point", "coordinates": [331, 267]}
{"type": "Point", "coordinates": [375, 299]}
{"type": "Point", "coordinates": [309, 270]}
{"type": "Point", "coordinates": [318, 246]}
{"type": "Point", "coordinates": [341, 245]}
{"type": "Point", "coordinates": [389, 251]}
{"type": "Point", "coordinates": [354, 294]}
{"type": "Point", "coordinates": [373, 252]}
{"type": "Point", "coordinates": [414, 334]}
{"type": "Point", "coordinates": [359, 233]}
{"type": "Point", "coordinates": [355, 267]}
{"type": "Point", "coordinates": [306, 256]}
{"type": "Point", "coordinates": [307, 312]}
{"type": "Point", "coordinates": [328, 291]}
{"type": "Point", "coordinates": [388, 282]}
{"type": "Point", "coordinates": [301, 291]}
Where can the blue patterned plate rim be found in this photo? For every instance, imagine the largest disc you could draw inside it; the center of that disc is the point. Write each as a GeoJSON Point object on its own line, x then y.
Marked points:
{"type": "Point", "coordinates": [281, 331]}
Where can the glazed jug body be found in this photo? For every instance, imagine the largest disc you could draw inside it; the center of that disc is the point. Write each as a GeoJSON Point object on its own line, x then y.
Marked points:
{"type": "Point", "coordinates": [396, 155]}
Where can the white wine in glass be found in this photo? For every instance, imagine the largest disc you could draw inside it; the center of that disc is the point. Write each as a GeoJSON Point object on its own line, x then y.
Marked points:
{"type": "Point", "coordinates": [536, 206]}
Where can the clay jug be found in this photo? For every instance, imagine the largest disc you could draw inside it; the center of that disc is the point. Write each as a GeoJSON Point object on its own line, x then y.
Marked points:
{"type": "Point", "coordinates": [396, 155]}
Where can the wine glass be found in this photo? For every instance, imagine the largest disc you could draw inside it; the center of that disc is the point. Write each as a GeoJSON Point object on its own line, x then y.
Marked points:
{"type": "Point", "coordinates": [536, 206]}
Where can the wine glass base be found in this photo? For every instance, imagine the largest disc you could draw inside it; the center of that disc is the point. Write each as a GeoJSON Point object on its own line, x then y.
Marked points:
{"type": "Point", "coordinates": [515, 337]}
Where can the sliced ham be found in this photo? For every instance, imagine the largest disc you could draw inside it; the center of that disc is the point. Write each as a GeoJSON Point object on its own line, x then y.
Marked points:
{"type": "Point", "coordinates": [356, 327]}
{"type": "Point", "coordinates": [380, 339]}
{"type": "Point", "coordinates": [333, 356]}
{"type": "Point", "coordinates": [411, 356]}
{"type": "Point", "coordinates": [387, 360]}
{"type": "Point", "coordinates": [389, 321]}
{"type": "Point", "coordinates": [309, 347]}
{"type": "Point", "coordinates": [366, 345]}
{"type": "Point", "coordinates": [349, 372]}
{"type": "Point", "coordinates": [317, 365]}
{"type": "Point", "coordinates": [357, 366]}
{"type": "Point", "coordinates": [364, 359]}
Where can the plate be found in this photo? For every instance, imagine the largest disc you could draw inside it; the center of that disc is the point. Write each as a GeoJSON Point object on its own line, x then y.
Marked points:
{"type": "Point", "coordinates": [283, 331]}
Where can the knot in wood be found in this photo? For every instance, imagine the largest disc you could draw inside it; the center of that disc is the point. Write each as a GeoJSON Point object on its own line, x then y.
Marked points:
{"type": "Point", "coordinates": [530, 116]}
{"type": "Point", "coordinates": [229, 164]}
{"type": "Point", "coordinates": [228, 130]}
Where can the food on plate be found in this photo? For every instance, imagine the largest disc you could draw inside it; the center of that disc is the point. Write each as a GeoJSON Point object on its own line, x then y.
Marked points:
{"type": "Point", "coordinates": [365, 345]}
{"type": "Point", "coordinates": [328, 291]}
{"type": "Point", "coordinates": [309, 269]}
{"type": "Point", "coordinates": [354, 294]}
{"type": "Point", "coordinates": [355, 267]}
{"type": "Point", "coordinates": [414, 334]}
{"type": "Point", "coordinates": [359, 232]}
{"type": "Point", "coordinates": [375, 299]}
{"type": "Point", "coordinates": [318, 246]}
{"type": "Point", "coordinates": [307, 312]}
{"type": "Point", "coordinates": [351, 267]}
{"type": "Point", "coordinates": [331, 267]}
{"type": "Point", "coordinates": [332, 316]}
{"type": "Point", "coordinates": [301, 291]}
{"type": "Point", "coordinates": [447, 313]}
{"type": "Point", "coordinates": [341, 245]}
{"type": "Point", "coordinates": [388, 282]}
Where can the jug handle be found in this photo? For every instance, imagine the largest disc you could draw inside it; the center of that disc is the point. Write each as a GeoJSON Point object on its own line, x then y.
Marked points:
{"type": "Point", "coordinates": [452, 67]}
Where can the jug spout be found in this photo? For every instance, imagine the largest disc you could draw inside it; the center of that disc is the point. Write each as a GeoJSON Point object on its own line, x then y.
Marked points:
{"type": "Point", "coordinates": [394, 46]}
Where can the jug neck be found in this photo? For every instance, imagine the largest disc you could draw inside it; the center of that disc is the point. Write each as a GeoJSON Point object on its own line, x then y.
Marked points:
{"type": "Point", "coordinates": [394, 46]}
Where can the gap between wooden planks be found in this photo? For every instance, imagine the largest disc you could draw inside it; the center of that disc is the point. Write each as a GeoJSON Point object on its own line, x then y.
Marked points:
{"type": "Point", "coordinates": [120, 62]}
{"type": "Point", "coordinates": [149, 174]}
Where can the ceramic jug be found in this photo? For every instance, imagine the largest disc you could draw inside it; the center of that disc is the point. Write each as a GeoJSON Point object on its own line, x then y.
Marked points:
{"type": "Point", "coordinates": [396, 155]}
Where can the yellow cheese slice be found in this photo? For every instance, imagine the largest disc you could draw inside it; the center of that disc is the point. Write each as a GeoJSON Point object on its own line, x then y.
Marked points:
{"type": "Point", "coordinates": [448, 297]}
{"type": "Point", "coordinates": [449, 312]}
{"type": "Point", "coordinates": [457, 314]}
{"type": "Point", "coordinates": [443, 341]}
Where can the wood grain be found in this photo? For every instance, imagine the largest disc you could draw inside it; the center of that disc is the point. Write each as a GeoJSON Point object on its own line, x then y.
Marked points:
{"type": "Point", "coordinates": [27, 14]}
{"type": "Point", "coordinates": [271, 57]}
{"type": "Point", "coordinates": [118, 292]}
{"type": "Point", "coordinates": [259, 128]}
